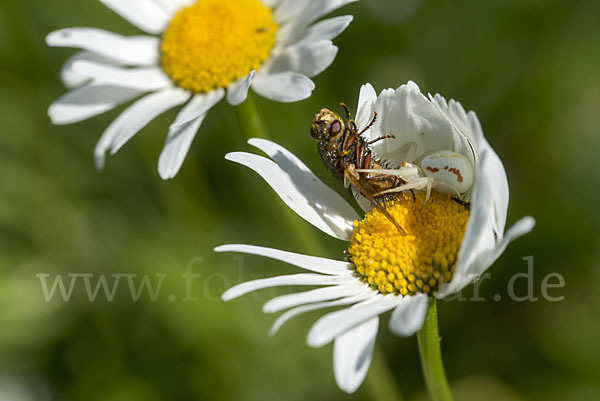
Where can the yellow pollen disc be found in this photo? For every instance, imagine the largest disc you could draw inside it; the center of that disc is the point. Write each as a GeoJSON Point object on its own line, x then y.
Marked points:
{"type": "Point", "coordinates": [418, 261]}
{"type": "Point", "coordinates": [212, 43]}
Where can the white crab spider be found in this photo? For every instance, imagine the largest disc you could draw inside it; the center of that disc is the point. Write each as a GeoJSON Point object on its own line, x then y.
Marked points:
{"type": "Point", "coordinates": [445, 171]}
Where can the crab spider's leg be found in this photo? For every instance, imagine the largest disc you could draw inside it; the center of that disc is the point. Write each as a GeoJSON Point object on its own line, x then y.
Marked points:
{"type": "Point", "coordinates": [447, 186]}
{"type": "Point", "coordinates": [418, 183]}
{"type": "Point", "coordinates": [402, 172]}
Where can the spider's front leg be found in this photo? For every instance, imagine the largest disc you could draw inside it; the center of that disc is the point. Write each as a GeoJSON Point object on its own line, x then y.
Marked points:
{"type": "Point", "coordinates": [416, 183]}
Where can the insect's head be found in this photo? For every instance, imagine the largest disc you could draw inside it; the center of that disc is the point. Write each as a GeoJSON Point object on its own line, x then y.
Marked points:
{"type": "Point", "coordinates": [326, 125]}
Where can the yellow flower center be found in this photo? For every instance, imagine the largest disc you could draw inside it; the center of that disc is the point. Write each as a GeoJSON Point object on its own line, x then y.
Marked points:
{"type": "Point", "coordinates": [418, 261]}
{"type": "Point", "coordinates": [212, 43]}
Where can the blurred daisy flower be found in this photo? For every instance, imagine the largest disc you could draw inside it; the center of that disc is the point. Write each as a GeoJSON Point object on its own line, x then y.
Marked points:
{"type": "Point", "coordinates": [194, 54]}
{"type": "Point", "coordinates": [447, 243]}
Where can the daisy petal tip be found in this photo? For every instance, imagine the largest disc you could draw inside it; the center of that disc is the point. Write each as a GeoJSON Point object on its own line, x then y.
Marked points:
{"type": "Point", "coordinates": [235, 157]}
{"type": "Point", "coordinates": [316, 339]}
{"type": "Point", "coordinates": [165, 173]}
{"type": "Point", "coordinates": [223, 248]}
{"type": "Point", "coordinates": [520, 228]}
{"type": "Point", "coordinates": [55, 116]}
{"type": "Point", "coordinates": [49, 39]}
{"type": "Point", "coordinates": [228, 295]}
{"type": "Point", "coordinates": [348, 386]}
{"type": "Point", "coordinates": [367, 86]}
{"type": "Point", "coordinates": [53, 39]}
{"type": "Point", "coordinates": [99, 160]}
{"type": "Point", "coordinates": [237, 92]}
{"type": "Point", "coordinates": [527, 224]}
{"type": "Point", "coordinates": [408, 317]}
{"type": "Point", "coordinates": [274, 330]}
{"type": "Point", "coordinates": [260, 143]}
{"type": "Point", "coordinates": [268, 308]}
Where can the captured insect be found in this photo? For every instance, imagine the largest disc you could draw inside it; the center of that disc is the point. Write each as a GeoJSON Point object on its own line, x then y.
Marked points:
{"type": "Point", "coordinates": [347, 154]}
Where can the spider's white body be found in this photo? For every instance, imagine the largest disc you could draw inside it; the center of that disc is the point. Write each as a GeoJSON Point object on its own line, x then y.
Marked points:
{"type": "Point", "coordinates": [445, 171]}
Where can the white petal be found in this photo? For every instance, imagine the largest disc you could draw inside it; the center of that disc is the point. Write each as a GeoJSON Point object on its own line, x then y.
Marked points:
{"type": "Point", "coordinates": [302, 191]}
{"type": "Point", "coordinates": [135, 50]}
{"type": "Point", "coordinates": [136, 117]}
{"type": "Point", "coordinates": [307, 58]}
{"type": "Point", "coordinates": [71, 78]}
{"type": "Point", "coordinates": [327, 29]}
{"type": "Point", "coordinates": [238, 91]}
{"type": "Point", "coordinates": [303, 13]}
{"type": "Point", "coordinates": [411, 117]}
{"type": "Point", "coordinates": [284, 157]}
{"type": "Point", "coordinates": [489, 194]}
{"type": "Point", "coordinates": [333, 324]}
{"type": "Point", "coordinates": [520, 228]}
{"type": "Point", "coordinates": [144, 14]}
{"type": "Point", "coordinates": [146, 78]}
{"type": "Point", "coordinates": [456, 114]}
{"type": "Point", "coordinates": [481, 234]}
{"type": "Point", "coordinates": [291, 279]}
{"type": "Point", "coordinates": [172, 6]}
{"type": "Point", "coordinates": [409, 315]}
{"type": "Point", "coordinates": [307, 297]}
{"type": "Point", "coordinates": [312, 263]}
{"type": "Point", "coordinates": [484, 259]}
{"type": "Point", "coordinates": [319, 8]}
{"type": "Point", "coordinates": [289, 9]}
{"type": "Point", "coordinates": [284, 86]}
{"type": "Point", "coordinates": [183, 131]}
{"type": "Point", "coordinates": [300, 15]}
{"type": "Point", "coordinates": [367, 293]}
{"type": "Point", "coordinates": [366, 105]}
{"type": "Point", "coordinates": [492, 173]}
{"type": "Point", "coordinates": [271, 3]}
{"type": "Point", "coordinates": [88, 101]}
{"type": "Point", "coordinates": [352, 353]}
{"type": "Point", "coordinates": [483, 241]}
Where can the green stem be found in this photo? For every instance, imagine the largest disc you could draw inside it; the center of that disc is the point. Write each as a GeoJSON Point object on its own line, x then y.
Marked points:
{"type": "Point", "coordinates": [431, 356]}
{"type": "Point", "coordinates": [250, 119]}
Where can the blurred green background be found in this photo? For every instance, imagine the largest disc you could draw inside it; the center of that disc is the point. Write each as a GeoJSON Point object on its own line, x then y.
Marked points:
{"type": "Point", "coordinates": [529, 68]}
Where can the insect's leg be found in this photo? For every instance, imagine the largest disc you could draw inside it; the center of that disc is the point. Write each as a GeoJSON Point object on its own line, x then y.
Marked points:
{"type": "Point", "coordinates": [348, 141]}
{"type": "Point", "coordinates": [375, 202]}
{"type": "Point", "coordinates": [380, 138]}
{"type": "Point", "coordinates": [360, 154]}
{"type": "Point", "coordinates": [370, 124]}
{"type": "Point", "coordinates": [347, 110]}
{"type": "Point", "coordinates": [367, 160]}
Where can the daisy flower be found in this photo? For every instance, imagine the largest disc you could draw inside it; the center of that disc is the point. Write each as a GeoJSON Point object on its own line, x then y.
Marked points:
{"type": "Point", "coordinates": [194, 53]}
{"type": "Point", "coordinates": [446, 244]}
